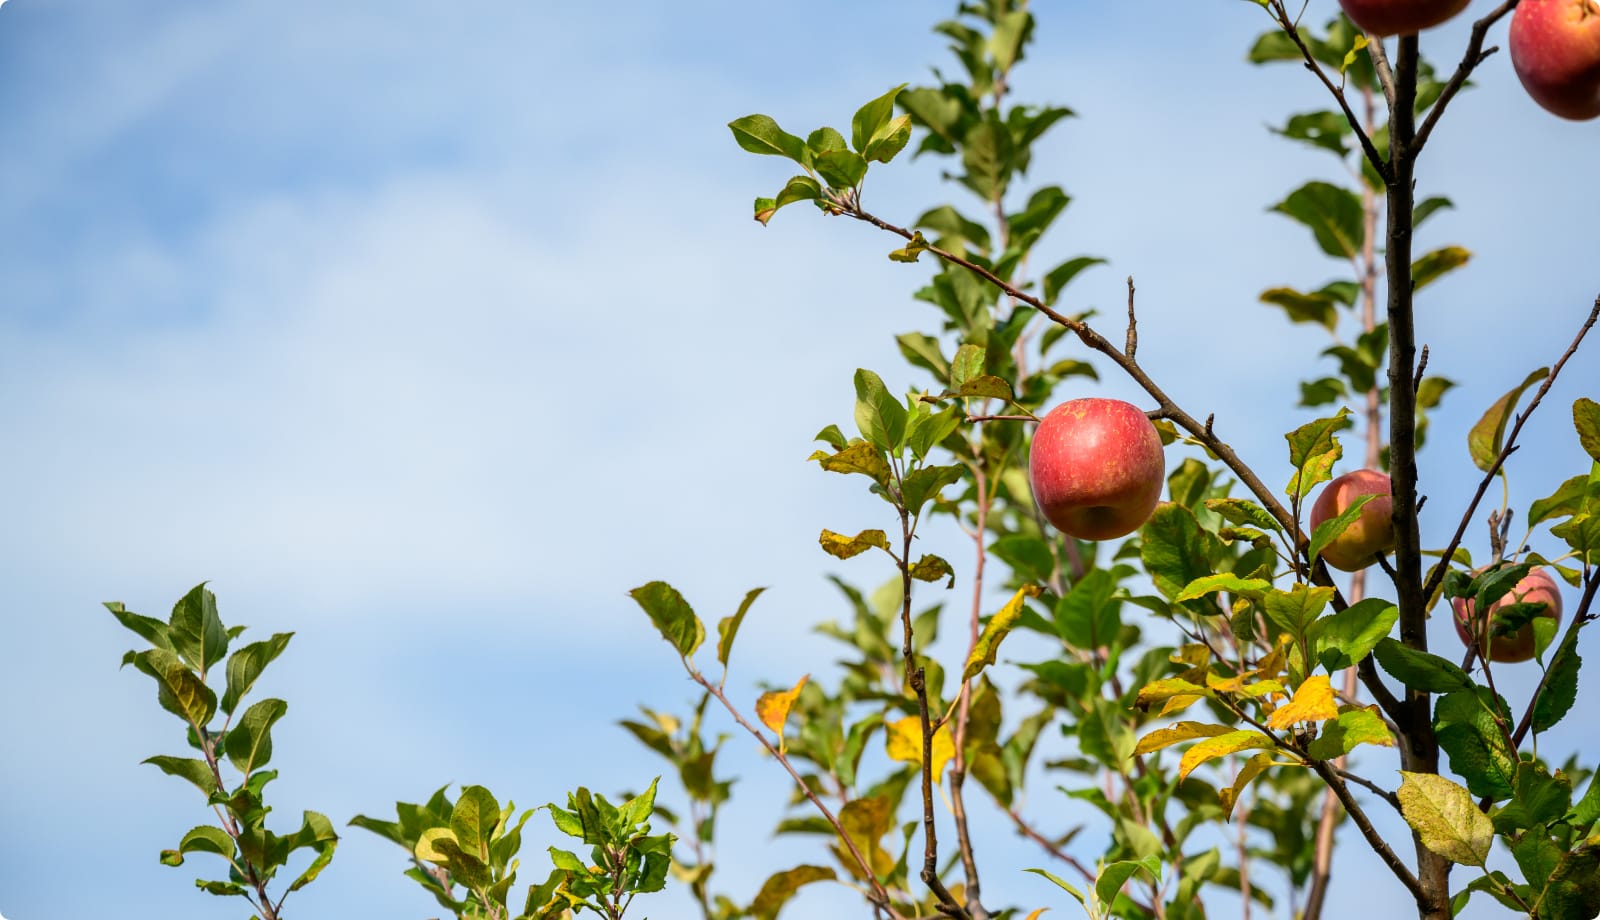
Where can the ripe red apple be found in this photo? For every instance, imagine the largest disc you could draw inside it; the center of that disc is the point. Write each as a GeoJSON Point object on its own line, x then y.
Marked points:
{"type": "Point", "coordinates": [1400, 17]}
{"type": "Point", "coordinates": [1555, 50]}
{"type": "Point", "coordinates": [1371, 533]}
{"type": "Point", "coordinates": [1538, 587]}
{"type": "Point", "coordinates": [1096, 468]}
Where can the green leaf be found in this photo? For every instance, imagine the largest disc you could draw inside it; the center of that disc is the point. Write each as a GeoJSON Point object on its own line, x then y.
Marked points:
{"type": "Point", "coordinates": [1089, 616]}
{"type": "Point", "coordinates": [1333, 528]}
{"type": "Point", "coordinates": [1566, 501]}
{"type": "Point", "coordinates": [1428, 208]}
{"type": "Point", "coordinates": [1436, 264]}
{"type": "Point", "coordinates": [760, 134]}
{"type": "Point", "coordinates": [841, 169]}
{"type": "Point", "coordinates": [924, 484]}
{"type": "Point", "coordinates": [221, 889]}
{"type": "Point", "coordinates": [1420, 670]}
{"type": "Point", "coordinates": [728, 628]}
{"type": "Point", "coordinates": [1487, 437]}
{"type": "Point", "coordinates": [889, 141]}
{"type": "Point", "coordinates": [994, 632]}
{"type": "Point", "coordinates": [825, 139]}
{"type": "Point", "coordinates": [246, 664]}
{"type": "Point", "coordinates": [986, 386]}
{"type": "Point", "coordinates": [1344, 638]}
{"type": "Point", "coordinates": [1445, 818]}
{"type": "Point", "coordinates": [316, 832]}
{"type": "Point", "coordinates": [872, 118]}
{"type": "Point", "coordinates": [1560, 688]}
{"type": "Point", "coordinates": [1313, 449]}
{"type": "Point", "coordinates": [799, 188]}
{"type": "Point", "coordinates": [473, 820]}
{"type": "Point", "coordinates": [1304, 308]}
{"type": "Point", "coordinates": [879, 415]}
{"type": "Point", "coordinates": [1352, 728]}
{"type": "Point", "coordinates": [1028, 556]}
{"type": "Point", "coordinates": [196, 631]}
{"type": "Point", "coordinates": [207, 839]}
{"type": "Point", "coordinates": [1175, 550]}
{"type": "Point", "coordinates": [1325, 130]}
{"type": "Point", "coordinates": [1253, 588]}
{"type": "Point", "coordinates": [912, 250]}
{"type": "Point", "coordinates": [967, 364]}
{"type": "Point", "coordinates": [840, 546]}
{"type": "Point", "coordinates": [1464, 722]}
{"type": "Point", "coordinates": [1582, 533]}
{"type": "Point", "coordinates": [1295, 610]}
{"type": "Point", "coordinates": [179, 690]}
{"type": "Point", "coordinates": [195, 771]}
{"type": "Point", "coordinates": [781, 886]}
{"type": "Point", "coordinates": [924, 351]}
{"type": "Point", "coordinates": [1242, 512]}
{"type": "Point", "coordinates": [1056, 279]}
{"type": "Point", "coordinates": [672, 615]}
{"type": "Point", "coordinates": [150, 629]}
{"type": "Point", "coordinates": [1586, 419]}
{"type": "Point", "coordinates": [922, 433]}
{"type": "Point", "coordinates": [1116, 874]}
{"type": "Point", "coordinates": [249, 743]}
{"type": "Point", "coordinates": [1063, 885]}
{"type": "Point", "coordinates": [1333, 215]}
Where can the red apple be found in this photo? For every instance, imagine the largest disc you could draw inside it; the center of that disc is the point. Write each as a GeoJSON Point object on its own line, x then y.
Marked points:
{"type": "Point", "coordinates": [1538, 587]}
{"type": "Point", "coordinates": [1555, 50]}
{"type": "Point", "coordinates": [1400, 17]}
{"type": "Point", "coordinates": [1371, 533]}
{"type": "Point", "coordinates": [1096, 468]}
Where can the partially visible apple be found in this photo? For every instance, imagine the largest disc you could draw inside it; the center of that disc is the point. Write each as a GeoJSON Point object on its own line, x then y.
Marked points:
{"type": "Point", "coordinates": [1400, 17]}
{"type": "Point", "coordinates": [1555, 50]}
{"type": "Point", "coordinates": [1538, 587]}
{"type": "Point", "coordinates": [1096, 468]}
{"type": "Point", "coordinates": [1371, 533]}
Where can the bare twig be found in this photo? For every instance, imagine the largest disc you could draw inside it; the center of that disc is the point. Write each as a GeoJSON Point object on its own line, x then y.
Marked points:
{"type": "Point", "coordinates": [1506, 451]}
{"type": "Point", "coordinates": [1132, 344]}
{"type": "Point", "coordinates": [1049, 846]}
{"type": "Point", "coordinates": [1475, 54]}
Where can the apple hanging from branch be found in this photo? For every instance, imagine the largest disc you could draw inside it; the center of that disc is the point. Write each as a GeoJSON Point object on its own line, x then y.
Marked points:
{"type": "Point", "coordinates": [1371, 533]}
{"type": "Point", "coordinates": [1096, 468]}
{"type": "Point", "coordinates": [1555, 50]}
{"type": "Point", "coordinates": [1537, 587]}
{"type": "Point", "coordinates": [1400, 17]}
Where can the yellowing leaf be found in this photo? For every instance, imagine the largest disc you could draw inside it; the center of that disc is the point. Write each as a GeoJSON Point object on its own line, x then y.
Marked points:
{"type": "Point", "coordinates": [1446, 818]}
{"type": "Point", "coordinates": [1253, 588]}
{"type": "Point", "coordinates": [1212, 748]}
{"type": "Point", "coordinates": [1166, 688]}
{"type": "Point", "coordinates": [1313, 702]}
{"type": "Point", "coordinates": [774, 705]}
{"type": "Point", "coordinates": [994, 631]}
{"type": "Point", "coordinates": [1248, 772]}
{"type": "Point", "coordinates": [1172, 734]}
{"type": "Point", "coordinates": [842, 547]}
{"type": "Point", "coordinates": [1353, 727]}
{"type": "Point", "coordinates": [1177, 704]}
{"type": "Point", "coordinates": [865, 821]}
{"type": "Point", "coordinates": [904, 743]}
{"type": "Point", "coordinates": [1036, 914]}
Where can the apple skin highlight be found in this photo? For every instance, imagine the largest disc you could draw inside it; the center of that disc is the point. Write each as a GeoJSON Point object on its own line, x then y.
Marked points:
{"type": "Point", "coordinates": [1096, 468]}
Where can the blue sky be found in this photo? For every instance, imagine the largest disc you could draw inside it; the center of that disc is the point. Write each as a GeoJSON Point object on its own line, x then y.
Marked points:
{"type": "Point", "coordinates": [427, 330]}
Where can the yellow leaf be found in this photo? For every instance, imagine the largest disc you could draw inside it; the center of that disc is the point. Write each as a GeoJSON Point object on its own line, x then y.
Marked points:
{"type": "Point", "coordinates": [1212, 748]}
{"type": "Point", "coordinates": [774, 705]}
{"type": "Point", "coordinates": [1313, 702]}
{"type": "Point", "coordinates": [904, 742]}
{"type": "Point", "coordinates": [865, 821]}
{"type": "Point", "coordinates": [1194, 655]}
{"type": "Point", "coordinates": [1177, 704]}
{"type": "Point", "coordinates": [842, 547]}
{"type": "Point", "coordinates": [1276, 661]}
{"type": "Point", "coordinates": [983, 651]}
{"type": "Point", "coordinates": [1166, 688]}
{"type": "Point", "coordinates": [1172, 734]}
{"type": "Point", "coordinates": [1251, 769]}
{"type": "Point", "coordinates": [1035, 914]}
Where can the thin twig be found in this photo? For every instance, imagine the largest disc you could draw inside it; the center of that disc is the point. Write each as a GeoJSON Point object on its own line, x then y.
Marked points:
{"type": "Point", "coordinates": [1132, 344]}
{"type": "Point", "coordinates": [1475, 55]}
{"type": "Point", "coordinates": [1379, 164]}
{"type": "Point", "coordinates": [1510, 446]}
{"type": "Point", "coordinates": [880, 897]}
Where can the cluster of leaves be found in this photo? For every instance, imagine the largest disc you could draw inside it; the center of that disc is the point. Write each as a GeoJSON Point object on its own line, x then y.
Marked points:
{"type": "Point", "coordinates": [473, 844]}
{"type": "Point", "coordinates": [185, 651]}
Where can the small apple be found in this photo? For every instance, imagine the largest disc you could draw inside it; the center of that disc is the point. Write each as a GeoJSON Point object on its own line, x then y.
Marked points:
{"type": "Point", "coordinates": [1555, 50]}
{"type": "Point", "coordinates": [1096, 468]}
{"type": "Point", "coordinates": [1400, 17]}
{"type": "Point", "coordinates": [1371, 533]}
{"type": "Point", "coordinates": [1537, 588]}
